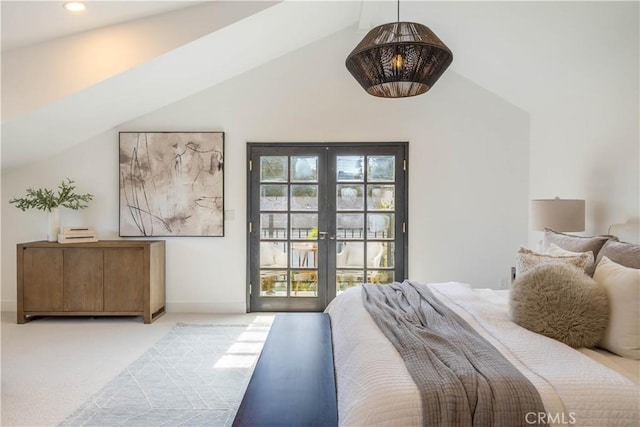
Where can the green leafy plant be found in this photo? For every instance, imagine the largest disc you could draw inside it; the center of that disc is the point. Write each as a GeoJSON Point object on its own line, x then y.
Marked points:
{"type": "Point", "coordinates": [45, 199]}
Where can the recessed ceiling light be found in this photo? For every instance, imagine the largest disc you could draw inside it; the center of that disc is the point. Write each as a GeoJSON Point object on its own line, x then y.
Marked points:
{"type": "Point", "coordinates": [75, 6]}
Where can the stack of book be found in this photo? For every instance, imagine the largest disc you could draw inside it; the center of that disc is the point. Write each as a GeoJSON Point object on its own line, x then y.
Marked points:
{"type": "Point", "coordinates": [77, 235]}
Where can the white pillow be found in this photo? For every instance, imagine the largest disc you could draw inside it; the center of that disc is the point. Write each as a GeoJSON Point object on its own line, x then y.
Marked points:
{"type": "Point", "coordinates": [622, 335]}
{"type": "Point", "coordinates": [556, 250]}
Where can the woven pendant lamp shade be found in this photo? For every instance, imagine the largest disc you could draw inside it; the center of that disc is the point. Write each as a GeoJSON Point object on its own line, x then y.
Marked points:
{"type": "Point", "coordinates": [399, 59]}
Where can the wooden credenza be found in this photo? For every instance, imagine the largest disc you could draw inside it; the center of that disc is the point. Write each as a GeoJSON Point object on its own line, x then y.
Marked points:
{"type": "Point", "coordinates": [106, 278]}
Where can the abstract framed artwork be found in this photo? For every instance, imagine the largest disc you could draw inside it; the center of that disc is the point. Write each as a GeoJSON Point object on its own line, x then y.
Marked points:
{"type": "Point", "coordinates": [171, 184]}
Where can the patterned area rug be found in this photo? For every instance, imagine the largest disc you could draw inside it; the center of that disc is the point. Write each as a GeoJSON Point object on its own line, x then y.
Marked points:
{"type": "Point", "coordinates": [195, 376]}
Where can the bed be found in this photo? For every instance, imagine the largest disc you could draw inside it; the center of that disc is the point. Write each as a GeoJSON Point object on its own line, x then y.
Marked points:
{"type": "Point", "coordinates": [585, 387]}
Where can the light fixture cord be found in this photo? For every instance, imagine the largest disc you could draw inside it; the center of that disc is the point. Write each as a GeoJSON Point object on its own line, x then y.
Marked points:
{"type": "Point", "coordinates": [398, 10]}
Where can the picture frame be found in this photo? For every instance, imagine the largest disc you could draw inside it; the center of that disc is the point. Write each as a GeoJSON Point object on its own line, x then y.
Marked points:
{"type": "Point", "coordinates": [171, 184]}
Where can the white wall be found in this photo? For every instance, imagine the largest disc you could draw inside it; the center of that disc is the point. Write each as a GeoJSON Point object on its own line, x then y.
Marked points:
{"type": "Point", "coordinates": [585, 140]}
{"type": "Point", "coordinates": [468, 171]}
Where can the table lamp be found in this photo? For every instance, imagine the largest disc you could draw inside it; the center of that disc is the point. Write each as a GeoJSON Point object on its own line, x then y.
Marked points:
{"type": "Point", "coordinates": [557, 214]}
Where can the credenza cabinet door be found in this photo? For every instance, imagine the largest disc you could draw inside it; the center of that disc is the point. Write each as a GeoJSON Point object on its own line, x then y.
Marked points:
{"type": "Point", "coordinates": [43, 279]}
{"type": "Point", "coordinates": [83, 286]}
{"type": "Point", "coordinates": [124, 279]}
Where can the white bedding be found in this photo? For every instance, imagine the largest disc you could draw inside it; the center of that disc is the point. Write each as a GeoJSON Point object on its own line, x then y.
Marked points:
{"type": "Point", "coordinates": [374, 387]}
{"type": "Point", "coordinates": [630, 368]}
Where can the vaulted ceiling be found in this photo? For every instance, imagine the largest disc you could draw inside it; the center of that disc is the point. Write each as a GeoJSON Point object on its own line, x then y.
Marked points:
{"type": "Point", "coordinates": [68, 78]}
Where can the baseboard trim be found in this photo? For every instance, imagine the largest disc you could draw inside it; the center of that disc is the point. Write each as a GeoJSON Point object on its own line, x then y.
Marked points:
{"type": "Point", "coordinates": [206, 307]}
{"type": "Point", "coordinates": [9, 305]}
{"type": "Point", "coordinates": [171, 307]}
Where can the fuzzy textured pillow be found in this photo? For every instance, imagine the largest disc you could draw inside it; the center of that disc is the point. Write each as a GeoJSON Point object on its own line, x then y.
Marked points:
{"type": "Point", "coordinates": [526, 259]}
{"type": "Point", "coordinates": [556, 250]}
{"type": "Point", "coordinates": [623, 288]}
{"type": "Point", "coordinates": [561, 302]}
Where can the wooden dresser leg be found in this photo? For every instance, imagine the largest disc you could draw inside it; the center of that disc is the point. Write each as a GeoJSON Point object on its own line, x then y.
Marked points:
{"type": "Point", "coordinates": [152, 317]}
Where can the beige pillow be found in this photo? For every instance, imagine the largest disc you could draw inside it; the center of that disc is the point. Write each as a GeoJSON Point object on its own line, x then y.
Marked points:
{"type": "Point", "coordinates": [622, 335]}
{"type": "Point", "coordinates": [576, 243]}
{"type": "Point", "coordinates": [526, 259]}
{"type": "Point", "coordinates": [558, 251]}
{"type": "Point", "coordinates": [560, 301]}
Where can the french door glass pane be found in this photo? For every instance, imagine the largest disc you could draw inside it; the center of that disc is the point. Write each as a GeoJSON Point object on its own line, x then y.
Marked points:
{"type": "Point", "coordinates": [304, 169]}
{"type": "Point", "coordinates": [350, 168]}
{"type": "Point", "coordinates": [346, 279]}
{"type": "Point", "coordinates": [381, 226]}
{"type": "Point", "coordinates": [381, 168]}
{"type": "Point", "coordinates": [304, 283]}
{"type": "Point", "coordinates": [304, 254]}
{"type": "Point", "coordinates": [304, 226]}
{"type": "Point", "coordinates": [349, 197]}
{"type": "Point", "coordinates": [273, 226]}
{"type": "Point", "coordinates": [273, 197]}
{"type": "Point", "coordinates": [350, 255]}
{"type": "Point", "coordinates": [380, 197]}
{"type": "Point", "coordinates": [349, 226]}
{"type": "Point", "coordinates": [274, 169]}
{"type": "Point", "coordinates": [304, 197]}
{"type": "Point", "coordinates": [273, 283]}
{"type": "Point", "coordinates": [273, 254]}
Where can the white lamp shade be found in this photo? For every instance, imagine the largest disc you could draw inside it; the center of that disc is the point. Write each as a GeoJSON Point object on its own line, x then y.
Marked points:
{"type": "Point", "coordinates": [557, 214]}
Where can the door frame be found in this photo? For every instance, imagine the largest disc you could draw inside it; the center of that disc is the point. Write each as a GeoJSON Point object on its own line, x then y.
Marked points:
{"type": "Point", "coordinates": [402, 215]}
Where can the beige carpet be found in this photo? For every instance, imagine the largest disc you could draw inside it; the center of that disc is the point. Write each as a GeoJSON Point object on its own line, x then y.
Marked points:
{"type": "Point", "coordinates": [51, 366]}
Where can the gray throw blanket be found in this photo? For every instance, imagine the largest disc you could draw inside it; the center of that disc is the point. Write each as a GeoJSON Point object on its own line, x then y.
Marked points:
{"type": "Point", "coordinates": [463, 380]}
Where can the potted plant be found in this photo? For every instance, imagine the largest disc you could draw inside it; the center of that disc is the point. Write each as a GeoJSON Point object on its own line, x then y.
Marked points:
{"type": "Point", "coordinates": [48, 200]}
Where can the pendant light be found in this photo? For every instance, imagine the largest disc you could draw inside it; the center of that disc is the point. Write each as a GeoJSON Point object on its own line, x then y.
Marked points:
{"type": "Point", "coordinates": [399, 59]}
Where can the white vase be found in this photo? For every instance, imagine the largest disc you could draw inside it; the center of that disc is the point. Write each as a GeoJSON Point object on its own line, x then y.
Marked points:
{"type": "Point", "coordinates": [54, 225]}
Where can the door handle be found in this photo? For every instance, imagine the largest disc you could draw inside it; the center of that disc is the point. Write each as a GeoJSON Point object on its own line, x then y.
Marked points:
{"type": "Point", "coordinates": [332, 237]}
{"type": "Point", "coordinates": [322, 235]}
